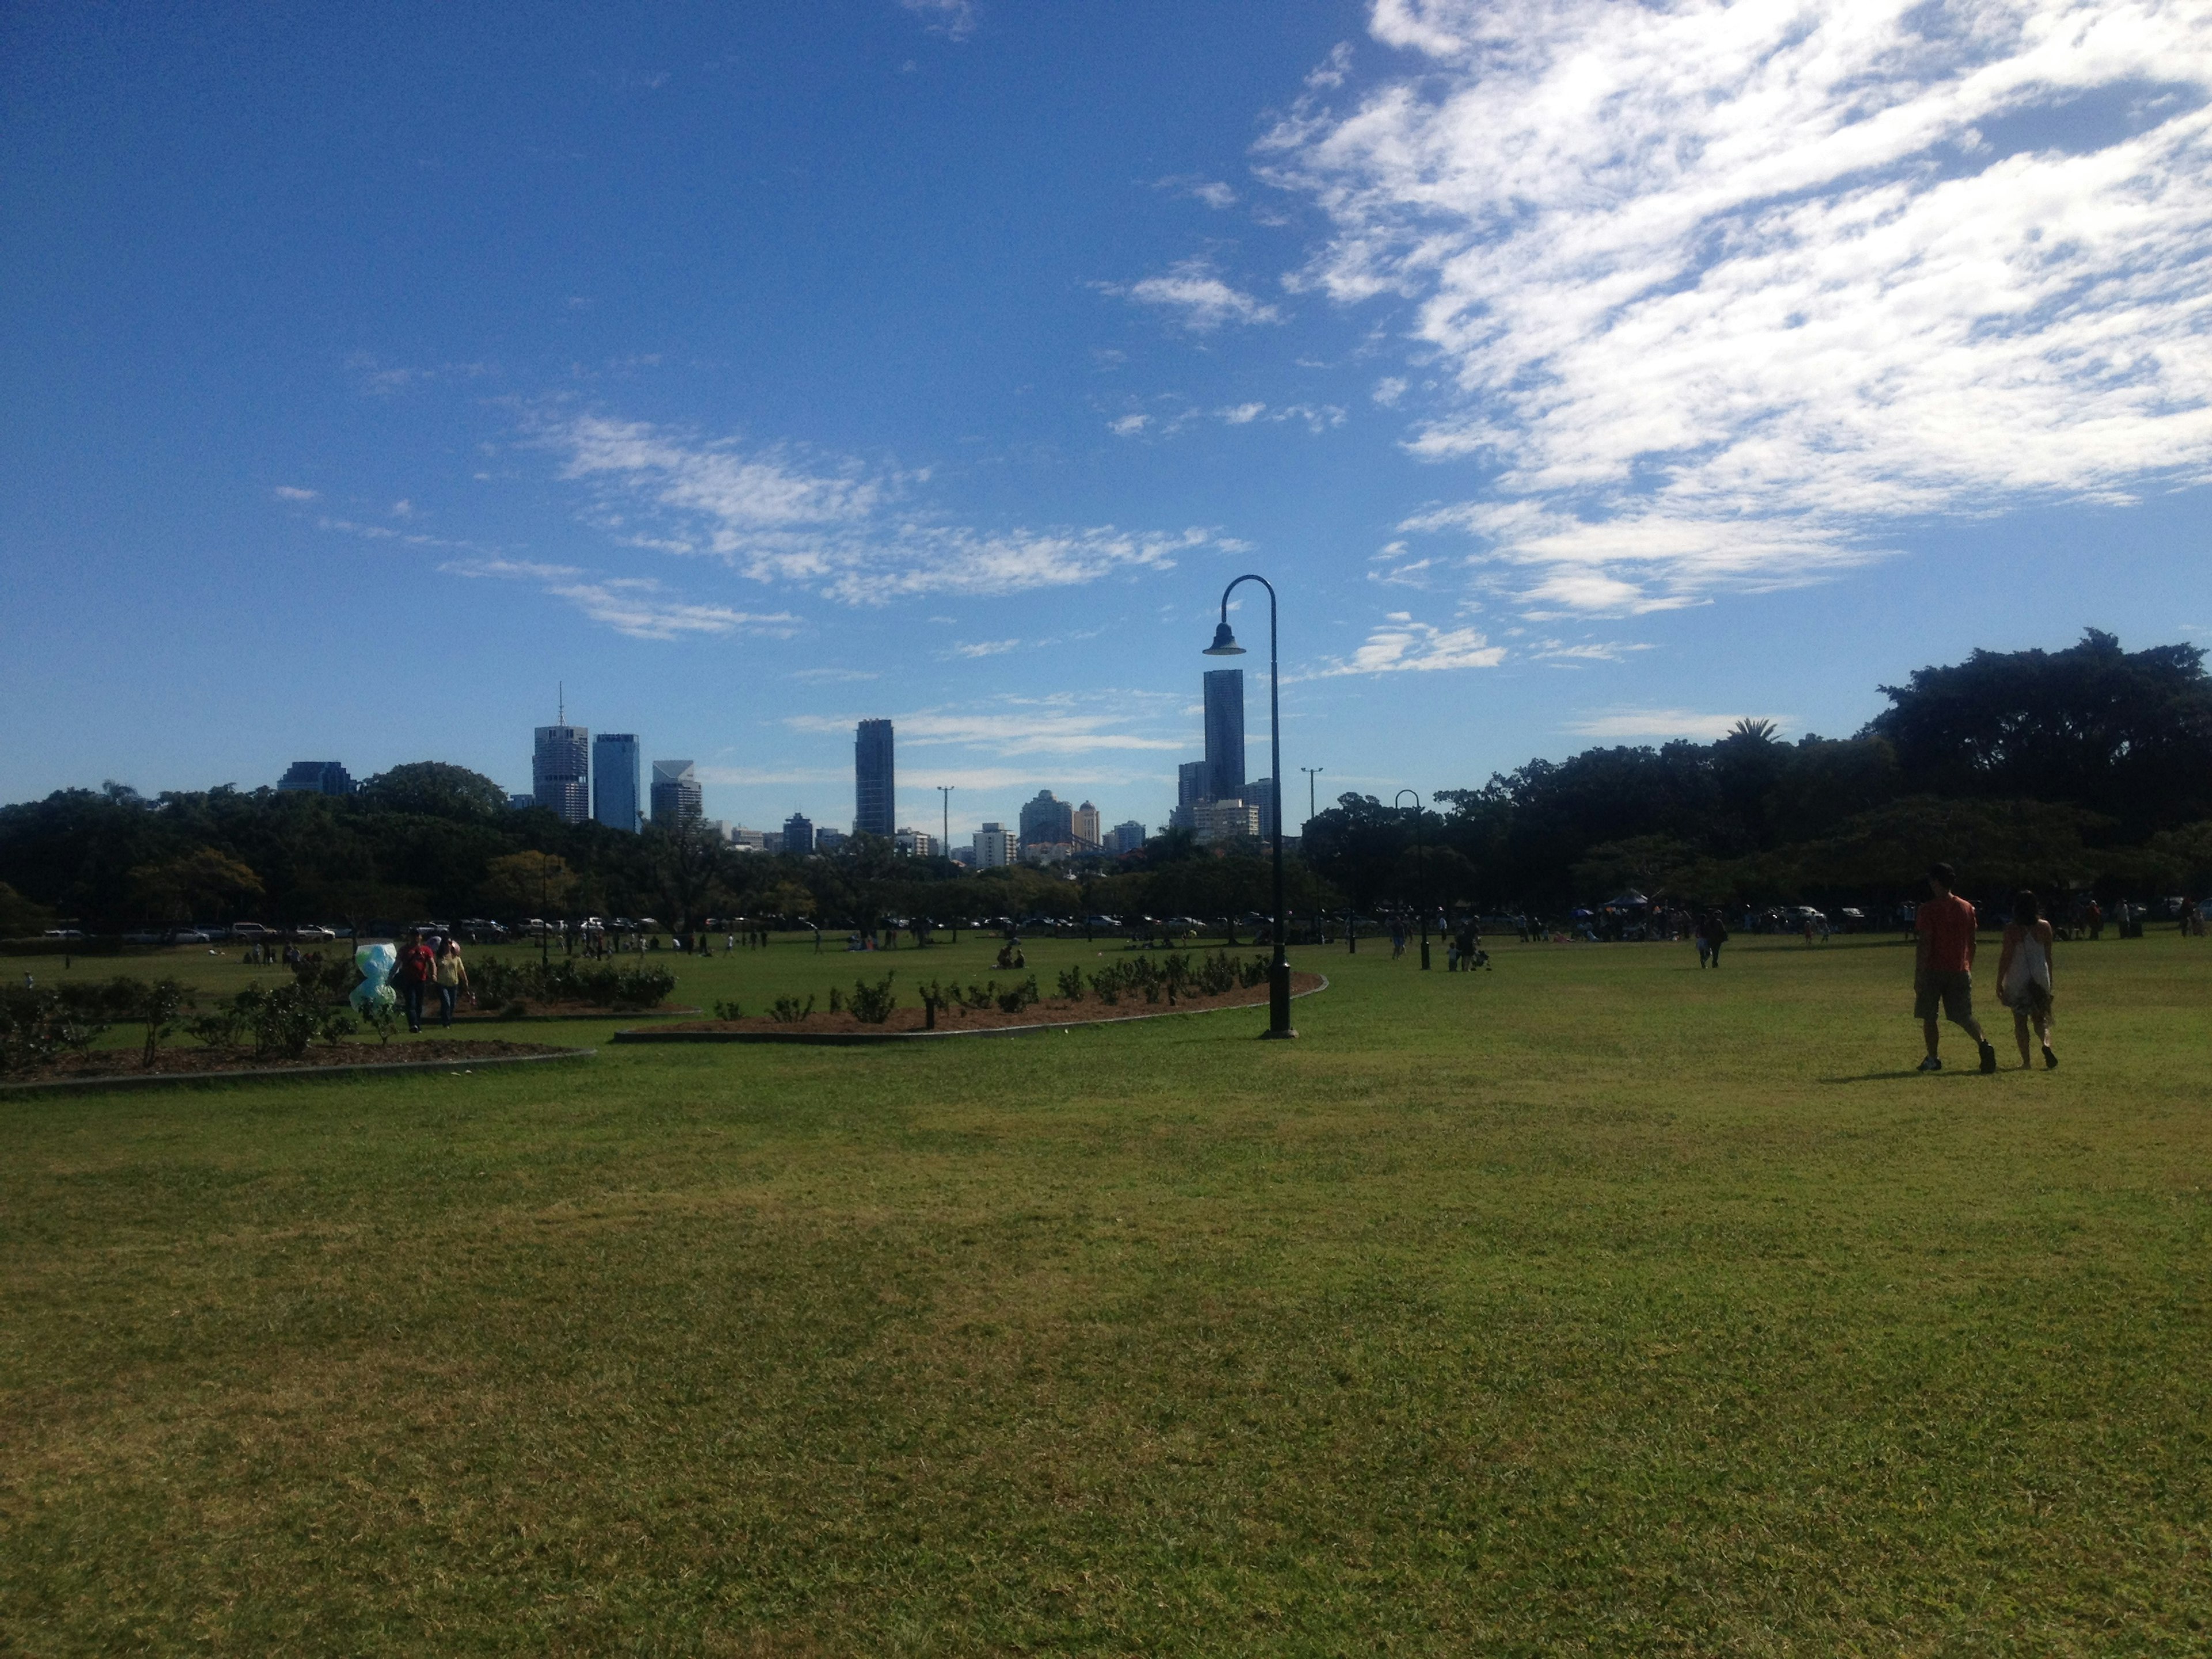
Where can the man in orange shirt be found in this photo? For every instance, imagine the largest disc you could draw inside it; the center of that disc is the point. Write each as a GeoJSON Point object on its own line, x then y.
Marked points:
{"type": "Point", "coordinates": [1943, 966]}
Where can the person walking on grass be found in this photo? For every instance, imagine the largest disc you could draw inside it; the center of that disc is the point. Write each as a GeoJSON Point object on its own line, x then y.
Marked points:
{"type": "Point", "coordinates": [451, 975]}
{"type": "Point", "coordinates": [1943, 967]}
{"type": "Point", "coordinates": [414, 971]}
{"type": "Point", "coordinates": [2024, 976]}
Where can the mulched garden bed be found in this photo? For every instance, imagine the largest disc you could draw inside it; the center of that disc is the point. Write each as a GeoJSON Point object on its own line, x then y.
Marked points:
{"type": "Point", "coordinates": [124, 1064]}
{"type": "Point", "coordinates": [487, 1015]}
{"type": "Point", "coordinates": [907, 1021]}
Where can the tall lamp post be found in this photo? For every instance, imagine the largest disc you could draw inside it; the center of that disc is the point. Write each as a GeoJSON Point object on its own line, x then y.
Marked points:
{"type": "Point", "coordinates": [1225, 645]}
{"type": "Point", "coordinates": [1420, 869]}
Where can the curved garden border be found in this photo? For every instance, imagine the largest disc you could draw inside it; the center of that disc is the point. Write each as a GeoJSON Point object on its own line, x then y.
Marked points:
{"type": "Point", "coordinates": [278, 1073]}
{"type": "Point", "coordinates": [861, 1039]}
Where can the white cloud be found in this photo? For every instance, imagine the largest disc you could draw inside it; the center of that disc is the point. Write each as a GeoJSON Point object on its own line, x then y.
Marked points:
{"type": "Point", "coordinates": [1129, 425]}
{"type": "Point", "coordinates": [1047, 725]}
{"type": "Point", "coordinates": [1624, 723]}
{"type": "Point", "coordinates": [635, 605]}
{"type": "Point", "coordinates": [1241, 414]}
{"type": "Point", "coordinates": [1211, 191]}
{"type": "Point", "coordinates": [1387, 390]}
{"type": "Point", "coordinates": [953, 18]}
{"type": "Point", "coordinates": [777, 516]}
{"type": "Point", "coordinates": [1725, 291]}
{"type": "Point", "coordinates": [290, 493]}
{"type": "Point", "coordinates": [985, 648]}
{"type": "Point", "coordinates": [1401, 644]}
{"type": "Point", "coordinates": [1204, 302]}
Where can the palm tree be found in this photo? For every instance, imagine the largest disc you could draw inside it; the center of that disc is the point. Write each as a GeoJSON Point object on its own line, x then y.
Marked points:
{"type": "Point", "coordinates": [1751, 730]}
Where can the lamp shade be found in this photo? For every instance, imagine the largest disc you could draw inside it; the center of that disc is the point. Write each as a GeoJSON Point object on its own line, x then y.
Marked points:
{"type": "Point", "coordinates": [1224, 643]}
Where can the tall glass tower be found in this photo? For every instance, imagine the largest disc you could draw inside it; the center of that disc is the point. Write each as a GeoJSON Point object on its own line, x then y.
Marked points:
{"type": "Point", "coordinates": [615, 780]}
{"type": "Point", "coordinates": [1224, 734]}
{"type": "Point", "coordinates": [676, 793]}
{"type": "Point", "coordinates": [875, 784]}
{"type": "Point", "coordinates": [561, 772]}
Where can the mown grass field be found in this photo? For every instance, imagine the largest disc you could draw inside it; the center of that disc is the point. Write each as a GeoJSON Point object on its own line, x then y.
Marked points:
{"type": "Point", "coordinates": [1592, 1305]}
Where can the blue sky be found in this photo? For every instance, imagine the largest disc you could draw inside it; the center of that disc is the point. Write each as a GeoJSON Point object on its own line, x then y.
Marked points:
{"type": "Point", "coordinates": [1580, 372]}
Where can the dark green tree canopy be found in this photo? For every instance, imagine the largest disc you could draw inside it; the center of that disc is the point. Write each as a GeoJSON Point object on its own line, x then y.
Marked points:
{"type": "Point", "coordinates": [436, 790]}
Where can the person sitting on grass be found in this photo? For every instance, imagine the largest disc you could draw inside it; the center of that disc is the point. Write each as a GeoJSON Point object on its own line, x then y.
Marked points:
{"type": "Point", "coordinates": [2024, 976]}
{"type": "Point", "coordinates": [1943, 967]}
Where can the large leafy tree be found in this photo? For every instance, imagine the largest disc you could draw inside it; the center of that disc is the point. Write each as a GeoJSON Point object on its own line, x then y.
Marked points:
{"type": "Point", "coordinates": [434, 789]}
{"type": "Point", "coordinates": [2123, 732]}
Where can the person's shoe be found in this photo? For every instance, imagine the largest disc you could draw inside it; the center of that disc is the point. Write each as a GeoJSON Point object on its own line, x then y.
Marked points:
{"type": "Point", "coordinates": [1931, 1064]}
{"type": "Point", "coordinates": [2050, 1059]}
{"type": "Point", "coordinates": [1988, 1058]}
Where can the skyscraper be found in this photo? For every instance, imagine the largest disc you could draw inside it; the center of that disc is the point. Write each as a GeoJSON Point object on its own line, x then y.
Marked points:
{"type": "Point", "coordinates": [615, 780]}
{"type": "Point", "coordinates": [676, 794]}
{"type": "Point", "coordinates": [1085, 826]}
{"type": "Point", "coordinates": [1193, 783]}
{"type": "Point", "coordinates": [561, 772]}
{"type": "Point", "coordinates": [798, 834]}
{"type": "Point", "coordinates": [316, 778]}
{"type": "Point", "coordinates": [1261, 793]}
{"type": "Point", "coordinates": [1046, 820]}
{"type": "Point", "coordinates": [994, 847]}
{"type": "Point", "coordinates": [1224, 734]}
{"type": "Point", "coordinates": [875, 785]}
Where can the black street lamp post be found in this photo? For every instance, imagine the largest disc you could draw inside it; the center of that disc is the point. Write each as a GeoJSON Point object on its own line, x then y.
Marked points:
{"type": "Point", "coordinates": [1225, 645]}
{"type": "Point", "coordinates": [1420, 870]}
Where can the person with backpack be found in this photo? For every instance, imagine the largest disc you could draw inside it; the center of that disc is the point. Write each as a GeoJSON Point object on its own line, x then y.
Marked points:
{"type": "Point", "coordinates": [2024, 976]}
{"type": "Point", "coordinates": [415, 969]}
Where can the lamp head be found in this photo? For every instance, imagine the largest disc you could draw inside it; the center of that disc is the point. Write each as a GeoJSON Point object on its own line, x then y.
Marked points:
{"type": "Point", "coordinates": [1224, 643]}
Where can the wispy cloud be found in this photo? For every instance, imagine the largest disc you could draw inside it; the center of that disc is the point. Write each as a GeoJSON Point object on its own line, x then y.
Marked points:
{"type": "Point", "coordinates": [1724, 292]}
{"type": "Point", "coordinates": [1625, 723]}
{"type": "Point", "coordinates": [1401, 645]}
{"type": "Point", "coordinates": [777, 515]}
{"type": "Point", "coordinates": [636, 605]}
{"type": "Point", "coordinates": [833, 676]}
{"type": "Point", "coordinates": [1202, 299]}
{"type": "Point", "coordinates": [1212, 192]}
{"type": "Point", "coordinates": [1009, 726]}
{"type": "Point", "coordinates": [985, 648]}
{"type": "Point", "coordinates": [955, 19]}
{"type": "Point", "coordinates": [293, 493]}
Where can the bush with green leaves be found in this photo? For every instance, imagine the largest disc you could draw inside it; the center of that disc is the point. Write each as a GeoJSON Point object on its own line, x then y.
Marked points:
{"type": "Point", "coordinates": [38, 1026]}
{"type": "Point", "coordinates": [788, 1010]}
{"type": "Point", "coordinates": [1071, 985]}
{"type": "Point", "coordinates": [1013, 1001]}
{"type": "Point", "coordinates": [872, 1005]}
{"type": "Point", "coordinates": [599, 984]}
{"type": "Point", "coordinates": [728, 1009]}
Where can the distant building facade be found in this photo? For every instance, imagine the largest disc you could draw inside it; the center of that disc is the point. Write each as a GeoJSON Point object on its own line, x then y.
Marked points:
{"type": "Point", "coordinates": [1193, 783]}
{"type": "Point", "coordinates": [875, 781]}
{"type": "Point", "coordinates": [1047, 818]}
{"type": "Point", "coordinates": [1223, 820]}
{"type": "Point", "coordinates": [743, 839]}
{"type": "Point", "coordinates": [616, 777]}
{"type": "Point", "coordinates": [1224, 734]}
{"type": "Point", "coordinates": [916, 843]}
{"type": "Point", "coordinates": [1261, 793]}
{"type": "Point", "coordinates": [995, 847]}
{"type": "Point", "coordinates": [1086, 827]}
{"type": "Point", "coordinates": [561, 772]}
{"type": "Point", "coordinates": [827, 840]}
{"type": "Point", "coordinates": [676, 797]}
{"type": "Point", "coordinates": [316, 778]}
{"type": "Point", "coordinates": [520, 803]}
{"type": "Point", "coordinates": [798, 834]}
{"type": "Point", "coordinates": [1125, 838]}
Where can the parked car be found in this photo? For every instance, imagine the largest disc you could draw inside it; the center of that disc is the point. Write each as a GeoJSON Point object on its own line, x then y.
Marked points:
{"type": "Point", "coordinates": [62, 933]}
{"type": "Point", "coordinates": [190, 936]}
{"type": "Point", "coordinates": [309, 931]}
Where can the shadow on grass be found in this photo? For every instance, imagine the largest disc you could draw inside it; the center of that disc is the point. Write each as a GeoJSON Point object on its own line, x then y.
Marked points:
{"type": "Point", "coordinates": [1910, 1071]}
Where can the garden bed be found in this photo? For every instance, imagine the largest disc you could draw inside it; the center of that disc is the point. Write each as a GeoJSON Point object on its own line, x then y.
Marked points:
{"type": "Point", "coordinates": [107, 1065]}
{"type": "Point", "coordinates": [490, 1016]}
{"type": "Point", "coordinates": [1048, 1014]}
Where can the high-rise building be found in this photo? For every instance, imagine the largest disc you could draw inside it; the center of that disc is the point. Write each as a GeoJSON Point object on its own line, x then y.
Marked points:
{"type": "Point", "coordinates": [875, 783]}
{"type": "Point", "coordinates": [1127, 837]}
{"type": "Point", "coordinates": [676, 794]}
{"type": "Point", "coordinates": [1047, 818]}
{"type": "Point", "coordinates": [996, 848]}
{"type": "Point", "coordinates": [798, 834]}
{"type": "Point", "coordinates": [1085, 827]}
{"type": "Point", "coordinates": [827, 840]}
{"type": "Point", "coordinates": [916, 843]}
{"type": "Point", "coordinates": [1224, 734]}
{"type": "Point", "coordinates": [1193, 783]}
{"type": "Point", "coordinates": [1223, 820]}
{"type": "Point", "coordinates": [520, 803]}
{"type": "Point", "coordinates": [1261, 793]}
{"type": "Point", "coordinates": [615, 780]}
{"type": "Point", "coordinates": [316, 778]}
{"type": "Point", "coordinates": [561, 772]}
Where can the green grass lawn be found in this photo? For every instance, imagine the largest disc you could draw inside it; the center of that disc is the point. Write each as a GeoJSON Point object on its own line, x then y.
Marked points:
{"type": "Point", "coordinates": [1595, 1304]}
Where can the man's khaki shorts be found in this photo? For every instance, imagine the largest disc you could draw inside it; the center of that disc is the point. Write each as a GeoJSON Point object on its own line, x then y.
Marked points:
{"type": "Point", "coordinates": [1953, 991]}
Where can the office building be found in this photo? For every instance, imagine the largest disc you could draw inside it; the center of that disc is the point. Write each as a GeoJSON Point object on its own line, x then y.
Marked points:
{"type": "Point", "coordinates": [561, 772]}
{"type": "Point", "coordinates": [1193, 783]}
{"type": "Point", "coordinates": [1261, 793]}
{"type": "Point", "coordinates": [520, 803]}
{"type": "Point", "coordinates": [798, 834]}
{"type": "Point", "coordinates": [916, 843]}
{"type": "Point", "coordinates": [771, 840]}
{"type": "Point", "coordinates": [996, 848]}
{"type": "Point", "coordinates": [875, 783]}
{"type": "Point", "coordinates": [1224, 734]}
{"type": "Point", "coordinates": [616, 780]}
{"type": "Point", "coordinates": [1047, 818]}
{"type": "Point", "coordinates": [1127, 837]}
{"type": "Point", "coordinates": [315, 778]}
{"type": "Point", "coordinates": [1222, 820]}
{"type": "Point", "coordinates": [827, 840]}
{"type": "Point", "coordinates": [676, 797]}
{"type": "Point", "coordinates": [1085, 827]}
{"type": "Point", "coordinates": [743, 839]}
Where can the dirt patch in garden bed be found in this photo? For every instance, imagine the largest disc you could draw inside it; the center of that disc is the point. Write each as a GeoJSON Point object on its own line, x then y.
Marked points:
{"type": "Point", "coordinates": [104, 1063]}
{"type": "Point", "coordinates": [908, 1020]}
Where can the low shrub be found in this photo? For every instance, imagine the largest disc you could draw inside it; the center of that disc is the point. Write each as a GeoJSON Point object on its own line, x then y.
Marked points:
{"type": "Point", "coordinates": [788, 1010]}
{"type": "Point", "coordinates": [1071, 985]}
{"type": "Point", "coordinates": [872, 1005]}
{"type": "Point", "coordinates": [1013, 1001]}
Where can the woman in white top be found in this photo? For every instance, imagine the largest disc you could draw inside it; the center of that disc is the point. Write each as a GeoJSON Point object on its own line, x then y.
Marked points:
{"type": "Point", "coordinates": [2024, 976]}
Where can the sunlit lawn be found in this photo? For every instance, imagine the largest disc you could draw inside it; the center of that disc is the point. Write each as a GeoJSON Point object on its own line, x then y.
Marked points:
{"type": "Point", "coordinates": [1593, 1304]}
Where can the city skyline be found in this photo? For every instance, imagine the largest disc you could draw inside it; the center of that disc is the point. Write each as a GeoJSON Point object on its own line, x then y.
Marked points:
{"type": "Point", "coordinates": [667, 354]}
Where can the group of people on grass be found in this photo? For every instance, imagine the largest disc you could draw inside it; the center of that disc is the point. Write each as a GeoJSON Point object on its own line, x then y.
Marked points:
{"type": "Point", "coordinates": [429, 961]}
{"type": "Point", "coordinates": [1945, 931]}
